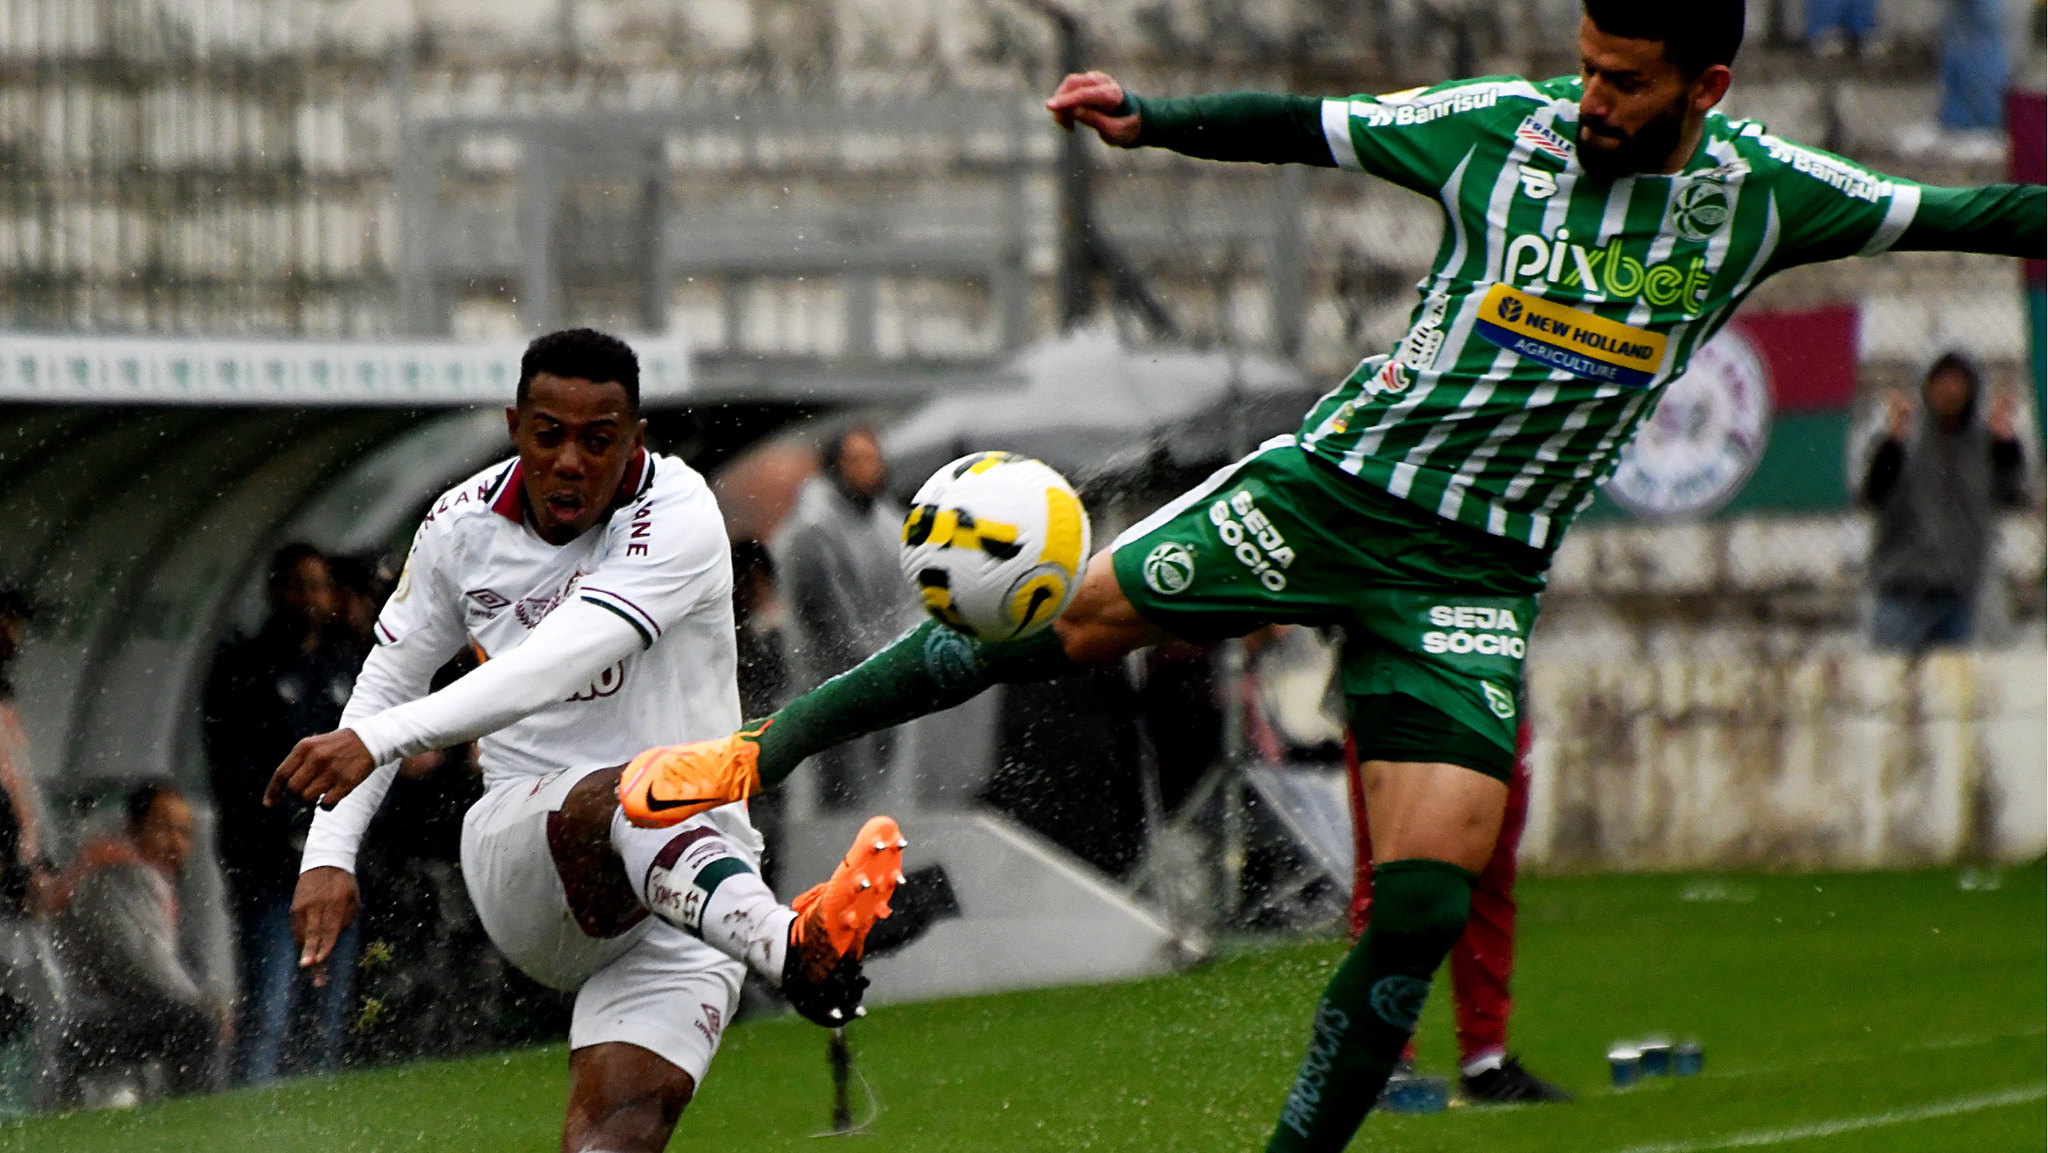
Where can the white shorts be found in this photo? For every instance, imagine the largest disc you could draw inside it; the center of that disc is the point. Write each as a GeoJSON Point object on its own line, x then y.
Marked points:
{"type": "Point", "coordinates": [654, 985]}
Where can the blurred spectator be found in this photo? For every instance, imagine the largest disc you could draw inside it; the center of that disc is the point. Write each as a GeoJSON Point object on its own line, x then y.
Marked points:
{"type": "Point", "coordinates": [137, 1015]}
{"type": "Point", "coordinates": [1834, 27]}
{"type": "Point", "coordinates": [763, 622]}
{"type": "Point", "coordinates": [29, 987]}
{"type": "Point", "coordinates": [430, 976]}
{"type": "Point", "coordinates": [1935, 479]}
{"type": "Point", "coordinates": [1975, 70]}
{"type": "Point", "coordinates": [24, 851]}
{"type": "Point", "coordinates": [431, 984]}
{"type": "Point", "coordinates": [361, 582]}
{"type": "Point", "coordinates": [836, 554]}
{"type": "Point", "coordinates": [265, 692]}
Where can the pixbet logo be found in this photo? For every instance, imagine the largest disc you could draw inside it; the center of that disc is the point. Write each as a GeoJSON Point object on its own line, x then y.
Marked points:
{"type": "Point", "coordinates": [1608, 270]}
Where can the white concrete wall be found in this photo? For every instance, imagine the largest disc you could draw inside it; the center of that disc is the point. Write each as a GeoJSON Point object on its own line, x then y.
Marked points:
{"type": "Point", "coordinates": [1835, 760]}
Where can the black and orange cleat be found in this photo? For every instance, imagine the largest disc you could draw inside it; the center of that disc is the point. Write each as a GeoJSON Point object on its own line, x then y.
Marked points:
{"type": "Point", "coordinates": [668, 785]}
{"type": "Point", "coordinates": [821, 974]}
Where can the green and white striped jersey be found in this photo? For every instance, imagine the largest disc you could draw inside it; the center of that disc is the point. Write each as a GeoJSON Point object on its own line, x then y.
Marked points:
{"type": "Point", "coordinates": [1561, 304]}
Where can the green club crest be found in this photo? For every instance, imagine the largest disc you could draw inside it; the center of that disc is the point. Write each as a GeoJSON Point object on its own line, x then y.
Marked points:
{"type": "Point", "coordinates": [1170, 569]}
{"type": "Point", "coordinates": [1700, 209]}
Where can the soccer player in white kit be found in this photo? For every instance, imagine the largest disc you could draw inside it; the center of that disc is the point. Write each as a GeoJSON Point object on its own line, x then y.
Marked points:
{"type": "Point", "coordinates": [594, 580]}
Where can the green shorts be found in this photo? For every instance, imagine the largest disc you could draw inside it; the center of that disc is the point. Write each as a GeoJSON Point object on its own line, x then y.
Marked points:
{"type": "Point", "coordinates": [1430, 609]}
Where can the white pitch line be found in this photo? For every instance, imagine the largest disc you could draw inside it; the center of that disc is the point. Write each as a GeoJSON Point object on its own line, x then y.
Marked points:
{"type": "Point", "coordinates": [1859, 1056]}
{"type": "Point", "coordinates": [2019, 1096]}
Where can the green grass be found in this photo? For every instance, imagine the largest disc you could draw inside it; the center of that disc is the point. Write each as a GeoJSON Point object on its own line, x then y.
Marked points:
{"type": "Point", "coordinates": [1821, 1000]}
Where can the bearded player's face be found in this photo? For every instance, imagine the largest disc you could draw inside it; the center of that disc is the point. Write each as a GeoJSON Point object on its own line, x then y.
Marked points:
{"type": "Point", "coordinates": [1633, 113]}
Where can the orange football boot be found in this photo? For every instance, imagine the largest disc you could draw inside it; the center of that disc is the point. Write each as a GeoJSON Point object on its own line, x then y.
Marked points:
{"type": "Point", "coordinates": [669, 785]}
{"type": "Point", "coordinates": [821, 975]}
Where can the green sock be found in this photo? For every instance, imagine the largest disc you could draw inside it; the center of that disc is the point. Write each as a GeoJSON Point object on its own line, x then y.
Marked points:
{"type": "Point", "coordinates": [927, 669]}
{"type": "Point", "coordinates": [1368, 1010]}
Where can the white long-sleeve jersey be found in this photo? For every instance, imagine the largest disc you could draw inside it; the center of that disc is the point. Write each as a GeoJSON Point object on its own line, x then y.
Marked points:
{"type": "Point", "coordinates": [618, 641]}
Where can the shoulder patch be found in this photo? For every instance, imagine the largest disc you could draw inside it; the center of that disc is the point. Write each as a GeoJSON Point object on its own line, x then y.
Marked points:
{"type": "Point", "coordinates": [1545, 139]}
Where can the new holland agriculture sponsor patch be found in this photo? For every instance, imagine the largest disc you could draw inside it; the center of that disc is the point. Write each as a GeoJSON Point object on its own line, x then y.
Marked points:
{"type": "Point", "coordinates": [1567, 338]}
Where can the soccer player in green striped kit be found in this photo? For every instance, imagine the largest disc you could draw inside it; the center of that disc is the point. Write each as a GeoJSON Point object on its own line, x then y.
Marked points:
{"type": "Point", "coordinates": [1597, 229]}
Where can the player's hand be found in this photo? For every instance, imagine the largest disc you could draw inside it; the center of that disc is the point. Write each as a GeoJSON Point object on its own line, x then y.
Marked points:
{"type": "Point", "coordinates": [323, 769]}
{"type": "Point", "coordinates": [323, 905]}
{"type": "Point", "coordinates": [2003, 419]}
{"type": "Point", "coordinates": [1898, 415]}
{"type": "Point", "coordinates": [1092, 99]}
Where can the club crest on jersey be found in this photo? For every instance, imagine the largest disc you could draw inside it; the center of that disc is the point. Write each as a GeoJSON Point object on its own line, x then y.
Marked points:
{"type": "Point", "coordinates": [1170, 569]}
{"type": "Point", "coordinates": [1699, 210]}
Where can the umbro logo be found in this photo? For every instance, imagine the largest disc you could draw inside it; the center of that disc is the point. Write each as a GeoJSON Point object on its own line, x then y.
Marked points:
{"type": "Point", "coordinates": [487, 601]}
{"type": "Point", "coordinates": [710, 1023]}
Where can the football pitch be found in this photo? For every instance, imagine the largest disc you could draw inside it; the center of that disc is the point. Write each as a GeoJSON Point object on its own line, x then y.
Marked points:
{"type": "Point", "coordinates": [1892, 1012]}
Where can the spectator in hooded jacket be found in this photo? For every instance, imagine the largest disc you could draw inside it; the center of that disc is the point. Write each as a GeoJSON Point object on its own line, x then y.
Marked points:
{"type": "Point", "coordinates": [1936, 480]}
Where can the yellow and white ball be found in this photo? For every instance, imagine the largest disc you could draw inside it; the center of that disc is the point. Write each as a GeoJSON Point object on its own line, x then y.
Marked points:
{"type": "Point", "coordinates": [995, 544]}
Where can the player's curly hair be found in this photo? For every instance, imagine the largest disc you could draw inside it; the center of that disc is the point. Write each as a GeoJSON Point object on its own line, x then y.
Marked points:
{"type": "Point", "coordinates": [585, 354]}
{"type": "Point", "coordinates": [1696, 36]}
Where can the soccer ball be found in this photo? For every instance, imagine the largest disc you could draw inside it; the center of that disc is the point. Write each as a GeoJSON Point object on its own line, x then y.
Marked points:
{"type": "Point", "coordinates": [994, 545]}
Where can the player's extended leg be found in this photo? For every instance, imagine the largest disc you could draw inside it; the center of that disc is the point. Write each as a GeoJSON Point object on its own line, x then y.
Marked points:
{"type": "Point", "coordinates": [1434, 826]}
{"type": "Point", "coordinates": [927, 669]}
{"type": "Point", "coordinates": [1483, 960]}
{"type": "Point", "coordinates": [614, 873]}
{"type": "Point", "coordinates": [622, 1099]}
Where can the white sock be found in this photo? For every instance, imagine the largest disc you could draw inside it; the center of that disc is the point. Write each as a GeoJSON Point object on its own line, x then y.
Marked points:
{"type": "Point", "coordinates": [690, 877]}
{"type": "Point", "coordinates": [1483, 1063]}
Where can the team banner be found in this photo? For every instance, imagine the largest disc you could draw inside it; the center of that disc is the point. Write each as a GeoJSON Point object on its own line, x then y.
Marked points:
{"type": "Point", "coordinates": [132, 370]}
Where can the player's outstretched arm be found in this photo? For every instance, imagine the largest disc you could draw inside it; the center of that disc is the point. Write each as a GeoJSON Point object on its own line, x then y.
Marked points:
{"type": "Point", "coordinates": [1998, 220]}
{"type": "Point", "coordinates": [1096, 100]}
{"type": "Point", "coordinates": [1267, 128]}
{"type": "Point", "coordinates": [570, 647]}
